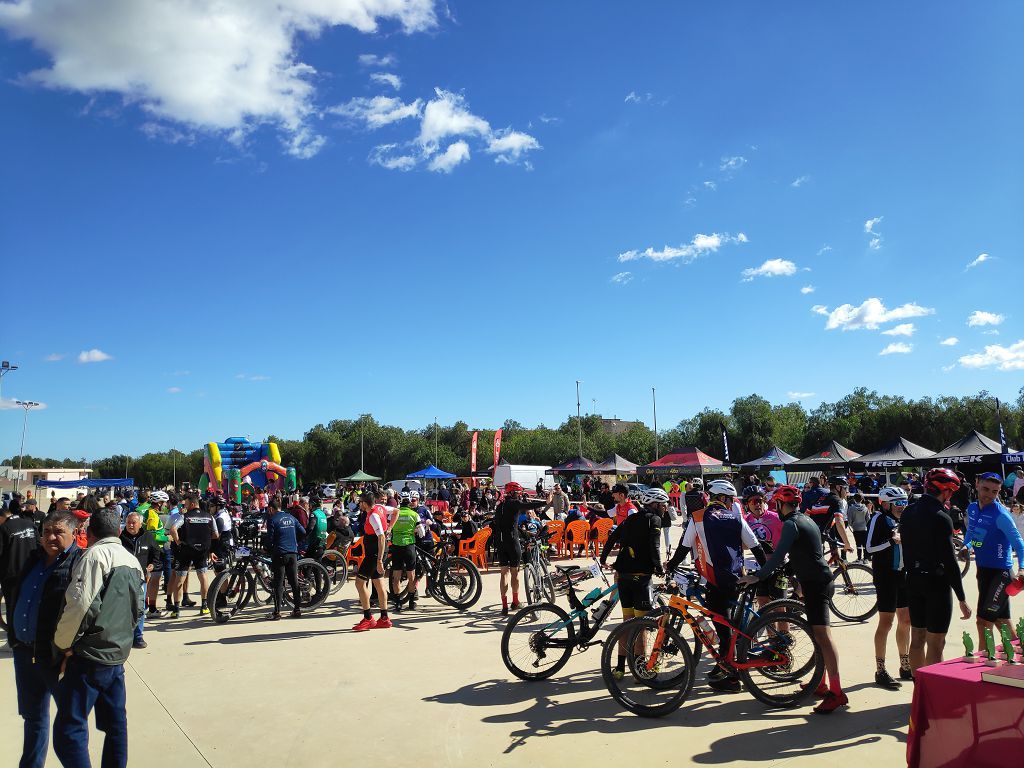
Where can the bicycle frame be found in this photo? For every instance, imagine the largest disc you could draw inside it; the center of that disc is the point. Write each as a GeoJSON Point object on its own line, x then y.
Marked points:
{"type": "Point", "coordinates": [581, 612]}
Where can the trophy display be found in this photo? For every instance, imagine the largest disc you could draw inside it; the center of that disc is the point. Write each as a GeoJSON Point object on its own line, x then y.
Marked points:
{"type": "Point", "coordinates": [990, 647]}
{"type": "Point", "coordinates": [1008, 651]}
{"type": "Point", "coordinates": [969, 647]}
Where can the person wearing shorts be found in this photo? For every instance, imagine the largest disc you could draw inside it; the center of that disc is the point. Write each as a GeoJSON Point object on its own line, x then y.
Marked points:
{"type": "Point", "coordinates": [635, 594]}
{"type": "Point", "coordinates": [371, 569]}
{"type": "Point", "coordinates": [403, 552]}
{"type": "Point", "coordinates": [993, 536]}
{"type": "Point", "coordinates": [194, 535]}
{"type": "Point", "coordinates": [883, 545]}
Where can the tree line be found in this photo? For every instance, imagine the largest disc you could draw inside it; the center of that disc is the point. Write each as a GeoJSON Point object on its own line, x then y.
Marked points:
{"type": "Point", "coordinates": [862, 421]}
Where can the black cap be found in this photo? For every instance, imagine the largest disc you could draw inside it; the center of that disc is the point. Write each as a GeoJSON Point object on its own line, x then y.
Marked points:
{"type": "Point", "coordinates": [620, 488]}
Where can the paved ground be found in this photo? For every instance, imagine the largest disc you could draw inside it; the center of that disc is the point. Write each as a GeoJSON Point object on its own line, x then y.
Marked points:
{"type": "Point", "coordinates": [433, 690]}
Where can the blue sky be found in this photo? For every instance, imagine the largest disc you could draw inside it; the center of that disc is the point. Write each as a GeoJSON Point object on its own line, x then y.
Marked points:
{"type": "Point", "coordinates": [297, 211]}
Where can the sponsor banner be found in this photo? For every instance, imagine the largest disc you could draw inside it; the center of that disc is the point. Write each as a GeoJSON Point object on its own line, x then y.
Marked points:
{"type": "Point", "coordinates": [472, 454]}
{"type": "Point", "coordinates": [497, 448]}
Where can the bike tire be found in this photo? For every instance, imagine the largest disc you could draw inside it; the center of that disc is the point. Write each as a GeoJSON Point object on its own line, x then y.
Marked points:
{"type": "Point", "coordinates": [782, 690]}
{"type": "Point", "coordinates": [634, 690]}
{"type": "Point", "coordinates": [459, 583]}
{"type": "Point", "coordinates": [535, 621]}
{"type": "Point", "coordinates": [227, 595]}
{"type": "Point", "coordinates": [856, 600]}
{"type": "Point", "coordinates": [314, 585]}
{"type": "Point", "coordinates": [531, 585]}
{"type": "Point", "coordinates": [337, 569]}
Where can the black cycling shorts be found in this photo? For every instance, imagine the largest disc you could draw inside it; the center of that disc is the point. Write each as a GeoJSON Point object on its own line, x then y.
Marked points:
{"type": "Point", "coordinates": [368, 568]}
{"type": "Point", "coordinates": [188, 556]}
{"type": "Point", "coordinates": [774, 587]}
{"type": "Point", "coordinates": [510, 555]}
{"type": "Point", "coordinates": [817, 595]}
{"type": "Point", "coordinates": [890, 589]}
{"type": "Point", "coordinates": [403, 558]}
{"type": "Point", "coordinates": [635, 591]}
{"type": "Point", "coordinates": [930, 600]}
{"type": "Point", "coordinates": [993, 602]}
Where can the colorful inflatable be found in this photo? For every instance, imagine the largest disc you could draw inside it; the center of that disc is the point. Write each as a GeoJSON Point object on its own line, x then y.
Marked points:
{"type": "Point", "coordinates": [240, 468]}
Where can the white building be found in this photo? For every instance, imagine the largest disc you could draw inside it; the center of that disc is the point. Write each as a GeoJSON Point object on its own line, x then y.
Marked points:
{"type": "Point", "coordinates": [29, 477]}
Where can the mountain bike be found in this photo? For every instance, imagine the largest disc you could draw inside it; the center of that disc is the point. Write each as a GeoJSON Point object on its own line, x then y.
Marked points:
{"type": "Point", "coordinates": [337, 568]}
{"type": "Point", "coordinates": [854, 598]}
{"type": "Point", "coordinates": [452, 580]}
{"type": "Point", "coordinates": [539, 639]}
{"type": "Point", "coordinates": [779, 668]}
{"type": "Point", "coordinates": [249, 579]}
{"type": "Point", "coordinates": [538, 586]}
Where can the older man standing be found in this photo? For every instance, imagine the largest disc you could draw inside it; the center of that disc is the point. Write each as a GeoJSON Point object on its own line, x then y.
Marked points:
{"type": "Point", "coordinates": [37, 597]}
{"type": "Point", "coordinates": [142, 544]}
{"type": "Point", "coordinates": [95, 634]}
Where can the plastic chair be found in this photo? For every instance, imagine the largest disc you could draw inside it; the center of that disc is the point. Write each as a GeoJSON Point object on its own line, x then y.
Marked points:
{"type": "Point", "coordinates": [577, 534]}
{"type": "Point", "coordinates": [557, 530]}
{"type": "Point", "coordinates": [601, 528]}
{"type": "Point", "coordinates": [476, 548]}
{"type": "Point", "coordinates": [356, 552]}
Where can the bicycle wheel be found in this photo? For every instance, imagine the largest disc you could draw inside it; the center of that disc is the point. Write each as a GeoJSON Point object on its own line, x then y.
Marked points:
{"type": "Point", "coordinates": [644, 691]}
{"type": "Point", "coordinates": [314, 585]}
{"type": "Point", "coordinates": [459, 583]}
{"type": "Point", "coordinates": [854, 598]}
{"type": "Point", "coordinates": [531, 585]}
{"type": "Point", "coordinates": [794, 665]}
{"type": "Point", "coordinates": [227, 595]}
{"type": "Point", "coordinates": [263, 585]}
{"type": "Point", "coordinates": [538, 641]}
{"type": "Point", "coordinates": [963, 555]}
{"type": "Point", "coordinates": [337, 570]}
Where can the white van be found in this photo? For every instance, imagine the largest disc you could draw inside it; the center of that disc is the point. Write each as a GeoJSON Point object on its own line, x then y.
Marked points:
{"type": "Point", "coordinates": [524, 474]}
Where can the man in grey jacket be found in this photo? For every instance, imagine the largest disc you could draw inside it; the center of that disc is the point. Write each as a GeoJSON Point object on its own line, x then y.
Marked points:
{"type": "Point", "coordinates": [95, 633]}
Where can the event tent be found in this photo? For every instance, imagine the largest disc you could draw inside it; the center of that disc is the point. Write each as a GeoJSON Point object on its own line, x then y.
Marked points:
{"type": "Point", "coordinates": [897, 454]}
{"type": "Point", "coordinates": [577, 466]}
{"type": "Point", "coordinates": [97, 482]}
{"type": "Point", "coordinates": [685, 461]}
{"type": "Point", "coordinates": [615, 465]}
{"type": "Point", "coordinates": [430, 472]}
{"type": "Point", "coordinates": [359, 477]}
{"type": "Point", "coordinates": [775, 457]}
{"type": "Point", "coordinates": [832, 454]}
{"type": "Point", "coordinates": [972, 448]}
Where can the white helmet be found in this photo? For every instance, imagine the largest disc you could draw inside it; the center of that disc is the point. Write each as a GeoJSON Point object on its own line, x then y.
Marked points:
{"type": "Point", "coordinates": [721, 488]}
{"type": "Point", "coordinates": [414, 495]}
{"type": "Point", "coordinates": [652, 496]}
{"type": "Point", "coordinates": [892, 495]}
{"type": "Point", "coordinates": [159, 496]}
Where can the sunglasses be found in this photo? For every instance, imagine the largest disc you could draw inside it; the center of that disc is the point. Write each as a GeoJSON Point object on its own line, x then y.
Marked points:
{"type": "Point", "coordinates": [901, 503]}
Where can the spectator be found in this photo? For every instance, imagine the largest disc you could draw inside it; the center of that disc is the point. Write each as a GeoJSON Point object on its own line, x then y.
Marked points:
{"type": "Point", "coordinates": [95, 634]}
{"type": "Point", "coordinates": [857, 515]}
{"type": "Point", "coordinates": [142, 544]}
{"type": "Point", "coordinates": [17, 543]}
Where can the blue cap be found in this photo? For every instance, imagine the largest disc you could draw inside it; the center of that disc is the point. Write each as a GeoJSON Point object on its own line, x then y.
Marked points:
{"type": "Point", "coordinates": [990, 476]}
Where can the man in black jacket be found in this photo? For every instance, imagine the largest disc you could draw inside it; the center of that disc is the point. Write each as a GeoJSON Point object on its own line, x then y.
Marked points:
{"type": "Point", "coordinates": [142, 544]}
{"type": "Point", "coordinates": [18, 541]}
{"type": "Point", "coordinates": [37, 597]}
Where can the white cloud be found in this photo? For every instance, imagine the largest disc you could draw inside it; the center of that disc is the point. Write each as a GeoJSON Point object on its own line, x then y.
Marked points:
{"type": "Point", "coordinates": [799, 181]}
{"type": "Point", "coordinates": [869, 314]}
{"type": "Point", "coordinates": [875, 243]}
{"type": "Point", "coordinates": [734, 163]}
{"type": "Point", "coordinates": [384, 156]}
{"type": "Point", "coordinates": [897, 348]}
{"type": "Point", "coordinates": [370, 60]}
{"type": "Point", "coordinates": [820, 309]}
{"type": "Point", "coordinates": [225, 68]}
{"type": "Point", "coordinates": [54, 357]}
{"type": "Point", "coordinates": [711, 185]}
{"type": "Point", "coordinates": [387, 78]}
{"type": "Point", "coordinates": [824, 249]}
{"type": "Point", "coordinates": [951, 341]}
{"type": "Point", "coordinates": [807, 289]}
{"type": "Point", "coordinates": [173, 390]}
{"type": "Point", "coordinates": [979, 317]}
{"type": "Point", "coordinates": [448, 115]}
{"type": "Point", "coordinates": [637, 98]}
{"type": "Point", "coordinates": [697, 247]}
{"type": "Point", "coordinates": [621, 278]}
{"type": "Point", "coordinates": [378, 111]}
{"type": "Point", "coordinates": [990, 332]}
{"type": "Point", "coordinates": [870, 224]}
{"type": "Point", "coordinates": [770, 268]}
{"type": "Point", "coordinates": [456, 154]}
{"type": "Point", "coordinates": [1002, 358]}
{"type": "Point", "coordinates": [509, 146]}
{"type": "Point", "coordinates": [254, 377]}
{"type": "Point", "coordinates": [800, 395]}
{"type": "Point", "coordinates": [93, 356]}
{"type": "Point", "coordinates": [903, 329]}
{"type": "Point", "coordinates": [982, 258]}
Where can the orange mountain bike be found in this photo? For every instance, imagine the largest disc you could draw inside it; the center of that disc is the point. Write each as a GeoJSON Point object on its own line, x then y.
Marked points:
{"type": "Point", "coordinates": [775, 656]}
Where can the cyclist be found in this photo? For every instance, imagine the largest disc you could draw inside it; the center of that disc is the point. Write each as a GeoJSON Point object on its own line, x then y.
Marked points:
{"type": "Point", "coordinates": [225, 544]}
{"type": "Point", "coordinates": [829, 512]}
{"type": "Point", "coordinates": [992, 534]}
{"type": "Point", "coordinates": [375, 526]}
{"type": "Point", "coordinates": [717, 535]}
{"type": "Point", "coordinates": [624, 506]}
{"type": "Point", "coordinates": [638, 539]}
{"type": "Point", "coordinates": [800, 539]}
{"type": "Point", "coordinates": [767, 527]}
{"type": "Point", "coordinates": [403, 551]}
{"type": "Point", "coordinates": [155, 525]}
{"type": "Point", "coordinates": [883, 544]}
{"type": "Point", "coordinates": [316, 532]}
{"type": "Point", "coordinates": [284, 532]}
{"type": "Point", "coordinates": [509, 546]}
{"type": "Point", "coordinates": [933, 572]}
{"type": "Point", "coordinates": [194, 534]}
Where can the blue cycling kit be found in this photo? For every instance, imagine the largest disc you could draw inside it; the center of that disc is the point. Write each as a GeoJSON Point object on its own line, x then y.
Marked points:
{"type": "Point", "coordinates": [991, 533]}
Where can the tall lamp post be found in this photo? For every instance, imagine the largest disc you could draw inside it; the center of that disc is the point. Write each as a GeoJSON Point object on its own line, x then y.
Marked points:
{"type": "Point", "coordinates": [5, 368]}
{"type": "Point", "coordinates": [28, 405]}
{"type": "Point", "coordinates": [579, 419]}
{"type": "Point", "coordinates": [654, 400]}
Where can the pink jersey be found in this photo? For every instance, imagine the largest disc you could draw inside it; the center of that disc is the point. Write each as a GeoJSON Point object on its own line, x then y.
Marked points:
{"type": "Point", "coordinates": [767, 527]}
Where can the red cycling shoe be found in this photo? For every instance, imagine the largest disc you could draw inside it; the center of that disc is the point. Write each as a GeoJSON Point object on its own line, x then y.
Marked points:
{"type": "Point", "coordinates": [383, 624]}
{"type": "Point", "coordinates": [831, 703]}
{"type": "Point", "coordinates": [364, 625]}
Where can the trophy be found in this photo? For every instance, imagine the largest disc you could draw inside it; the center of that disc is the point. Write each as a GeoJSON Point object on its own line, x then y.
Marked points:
{"type": "Point", "coordinates": [990, 647]}
{"type": "Point", "coordinates": [969, 646]}
{"type": "Point", "coordinates": [1004, 632]}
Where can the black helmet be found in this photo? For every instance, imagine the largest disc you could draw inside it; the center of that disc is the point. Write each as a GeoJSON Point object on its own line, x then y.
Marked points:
{"type": "Point", "coordinates": [838, 480]}
{"type": "Point", "coordinates": [753, 491]}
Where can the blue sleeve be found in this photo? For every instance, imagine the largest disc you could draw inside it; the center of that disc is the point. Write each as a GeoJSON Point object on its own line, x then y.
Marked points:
{"type": "Point", "coordinates": [1004, 521]}
{"type": "Point", "coordinates": [968, 534]}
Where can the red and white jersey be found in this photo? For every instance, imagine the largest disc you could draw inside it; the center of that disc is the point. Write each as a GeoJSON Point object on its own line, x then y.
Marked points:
{"type": "Point", "coordinates": [717, 536]}
{"type": "Point", "coordinates": [376, 521]}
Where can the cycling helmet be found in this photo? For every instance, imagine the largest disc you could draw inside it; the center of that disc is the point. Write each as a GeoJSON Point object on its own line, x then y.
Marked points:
{"type": "Point", "coordinates": [513, 488]}
{"type": "Point", "coordinates": [786, 494]}
{"type": "Point", "coordinates": [892, 494]}
{"type": "Point", "coordinates": [404, 497]}
{"type": "Point", "coordinates": [721, 488]}
{"type": "Point", "coordinates": [414, 495]}
{"type": "Point", "coordinates": [696, 484]}
{"type": "Point", "coordinates": [942, 479]}
{"type": "Point", "coordinates": [753, 492]}
{"type": "Point", "coordinates": [636, 494]}
{"type": "Point", "coordinates": [159, 496]}
{"type": "Point", "coordinates": [653, 496]}
{"type": "Point", "coordinates": [838, 480]}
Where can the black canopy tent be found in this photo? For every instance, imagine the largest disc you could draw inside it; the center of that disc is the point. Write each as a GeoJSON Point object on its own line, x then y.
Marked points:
{"type": "Point", "coordinates": [615, 465]}
{"type": "Point", "coordinates": [577, 466]}
{"type": "Point", "coordinates": [832, 454]}
{"type": "Point", "coordinates": [901, 453]}
{"type": "Point", "coordinates": [775, 458]}
{"type": "Point", "coordinates": [972, 448]}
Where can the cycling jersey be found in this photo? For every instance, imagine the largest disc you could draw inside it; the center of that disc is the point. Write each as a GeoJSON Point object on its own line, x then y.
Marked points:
{"type": "Point", "coordinates": [638, 539]}
{"type": "Point", "coordinates": [767, 528]}
{"type": "Point", "coordinates": [801, 540]}
{"type": "Point", "coordinates": [155, 525]}
{"type": "Point", "coordinates": [825, 512]}
{"type": "Point", "coordinates": [718, 535]}
{"type": "Point", "coordinates": [886, 554]}
{"type": "Point", "coordinates": [376, 522]}
{"type": "Point", "coordinates": [316, 533]}
{"type": "Point", "coordinates": [992, 535]}
{"type": "Point", "coordinates": [403, 532]}
{"type": "Point", "coordinates": [926, 533]}
{"type": "Point", "coordinates": [810, 497]}
{"type": "Point", "coordinates": [196, 529]}
{"type": "Point", "coordinates": [623, 510]}
{"type": "Point", "coordinates": [284, 532]}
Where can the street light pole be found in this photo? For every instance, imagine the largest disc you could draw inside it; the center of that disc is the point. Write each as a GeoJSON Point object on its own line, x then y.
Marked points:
{"type": "Point", "coordinates": [435, 441]}
{"type": "Point", "coordinates": [5, 368]}
{"type": "Point", "coordinates": [174, 469]}
{"type": "Point", "coordinates": [654, 399]}
{"type": "Point", "coordinates": [579, 419]}
{"type": "Point", "coordinates": [27, 405]}
{"type": "Point", "coordinates": [126, 460]}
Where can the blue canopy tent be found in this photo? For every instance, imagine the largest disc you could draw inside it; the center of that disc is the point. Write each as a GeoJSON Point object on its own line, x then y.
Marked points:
{"type": "Point", "coordinates": [430, 472]}
{"type": "Point", "coordinates": [111, 482]}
